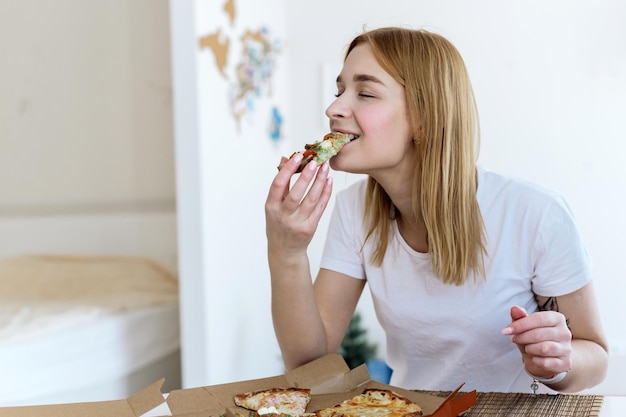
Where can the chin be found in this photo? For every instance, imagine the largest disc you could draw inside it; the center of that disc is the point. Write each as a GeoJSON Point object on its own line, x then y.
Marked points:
{"type": "Point", "coordinates": [338, 166]}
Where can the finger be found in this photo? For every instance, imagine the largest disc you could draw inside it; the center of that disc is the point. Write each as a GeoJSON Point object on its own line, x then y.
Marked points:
{"type": "Point", "coordinates": [548, 365]}
{"type": "Point", "coordinates": [516, 313]}
{"type": "Point", "coordinates": [317, 199]}
{"type": "Point", "coordinates": [315, 191]}
{"type": "Point", "coordinates": [558, 334]}
{"type": "Point", "coordinates": [548, 349]}
{"type": "Point", "coordinates": [540, 319]}
{"type": "Point", "coordinates": [321, 207]}
{"type": "Point", "coordinates": [280, 186]}
{"type": "Point", "coordinates": [300, 187]}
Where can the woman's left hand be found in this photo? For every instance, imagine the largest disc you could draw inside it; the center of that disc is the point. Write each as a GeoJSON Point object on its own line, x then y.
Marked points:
{"type": "Point", "coordinates": [544, 340]}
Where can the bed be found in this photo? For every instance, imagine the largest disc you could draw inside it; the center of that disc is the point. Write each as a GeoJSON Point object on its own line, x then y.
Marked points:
{"type": "Point", "coordinates": [84, 319]}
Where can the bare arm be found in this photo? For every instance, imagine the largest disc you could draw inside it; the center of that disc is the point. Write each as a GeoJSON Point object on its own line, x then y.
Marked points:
{"type": "Point", "coordinates": [566, 335]}
{"type": "Point", "coordinates": [314, 320]}
{"type": "Point", "coordinates": [305, 330]}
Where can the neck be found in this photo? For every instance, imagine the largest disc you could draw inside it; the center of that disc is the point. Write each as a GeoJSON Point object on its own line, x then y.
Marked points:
{"type": "Point", "coordinates": [413, 231]}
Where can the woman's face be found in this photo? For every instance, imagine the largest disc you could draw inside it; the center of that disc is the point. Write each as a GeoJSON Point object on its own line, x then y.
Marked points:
{"type": "Point", "coordinates": [372, 105]}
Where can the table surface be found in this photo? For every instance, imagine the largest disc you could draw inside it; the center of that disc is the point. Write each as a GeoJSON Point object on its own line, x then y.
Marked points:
{"type": "Point", "coordinates": [549, 405]}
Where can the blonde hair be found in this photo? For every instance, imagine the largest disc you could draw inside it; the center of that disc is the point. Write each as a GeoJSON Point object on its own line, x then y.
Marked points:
{"type": "Point", "coordinates": [442, 109]}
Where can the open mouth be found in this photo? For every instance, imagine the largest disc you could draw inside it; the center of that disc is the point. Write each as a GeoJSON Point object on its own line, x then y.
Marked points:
{"type": "Point", "coordinates": [349, 136]}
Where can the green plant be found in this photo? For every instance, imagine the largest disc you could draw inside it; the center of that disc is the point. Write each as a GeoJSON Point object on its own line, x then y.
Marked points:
{"type": "Point", "coordinates": [355, 348]}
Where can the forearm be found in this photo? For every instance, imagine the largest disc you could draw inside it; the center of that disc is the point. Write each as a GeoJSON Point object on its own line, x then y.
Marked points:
{"type": "Point", "coordinates": [589, 367]}
{"type": "Point", "coordinates": [297, 323]}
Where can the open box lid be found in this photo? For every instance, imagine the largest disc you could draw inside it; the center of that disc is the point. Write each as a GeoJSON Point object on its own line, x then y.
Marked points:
{"type": "Point", "coordinates": [135, 406]}
{"type": "Point", "coordinates": [331, 381]}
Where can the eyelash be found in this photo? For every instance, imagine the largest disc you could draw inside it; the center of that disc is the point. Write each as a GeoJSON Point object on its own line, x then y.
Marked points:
{"type": "Point", "coordinates": [360, 94]}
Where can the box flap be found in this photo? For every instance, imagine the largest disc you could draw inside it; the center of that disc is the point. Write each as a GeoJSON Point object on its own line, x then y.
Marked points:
{"type": "Point", "coordinates": [454, 405]}
{"type": "Point", "coordinates": [193, 400]}
{"type": "Point", "coordinates": [146, 399]}
{"type": "Point", "coordinates": [318, 373]}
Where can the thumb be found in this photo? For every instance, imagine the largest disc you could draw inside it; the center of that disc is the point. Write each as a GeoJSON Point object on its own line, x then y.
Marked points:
{"type": "Point", "coordinates": [518, 312]}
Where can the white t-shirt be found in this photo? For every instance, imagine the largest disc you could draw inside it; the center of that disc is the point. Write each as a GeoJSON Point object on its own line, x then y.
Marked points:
{"type": "Point", "coordinates": [440, 336]}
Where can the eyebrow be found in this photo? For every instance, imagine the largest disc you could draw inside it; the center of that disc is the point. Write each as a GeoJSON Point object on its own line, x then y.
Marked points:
{"type": "Point", "coordinates": [362, 78]}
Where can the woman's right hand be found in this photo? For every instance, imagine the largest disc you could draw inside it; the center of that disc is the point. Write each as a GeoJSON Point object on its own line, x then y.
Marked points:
{"type": "Point", "coordinates": [293, 213]}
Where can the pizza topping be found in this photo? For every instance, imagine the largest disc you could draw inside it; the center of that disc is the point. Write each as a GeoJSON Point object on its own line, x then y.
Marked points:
{"type": "Point", "coordinates": [275, 401]}
{"type": "Point", "coordinates": [267, 410]}
{"type": "Point", "coordinates": [323, 150]}
{"type": "Point", "coordinates": [373, 403]}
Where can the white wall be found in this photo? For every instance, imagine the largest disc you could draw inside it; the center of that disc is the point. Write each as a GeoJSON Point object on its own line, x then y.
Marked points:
{"type": "Point", "coordinates": [223, 172]}
{"type": "Point", "coordinates": [85, 107]}
{"type": "Point", "coordinates": [86, 135]}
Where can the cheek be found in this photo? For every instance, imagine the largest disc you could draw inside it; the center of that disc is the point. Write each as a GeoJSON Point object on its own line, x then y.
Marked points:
{"type": "Point", "coordinates": [387, 126]}
{"type": "Point", "coordinates": [374, 122]}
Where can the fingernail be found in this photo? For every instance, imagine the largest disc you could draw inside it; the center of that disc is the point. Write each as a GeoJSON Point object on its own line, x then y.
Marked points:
{"type": "Point", "coordinates": [507, 331]}
{"type": "Point", "coordinates": [311, 166]}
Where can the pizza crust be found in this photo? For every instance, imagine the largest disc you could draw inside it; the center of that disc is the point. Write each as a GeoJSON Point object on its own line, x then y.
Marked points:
{"type": "Point", "coordinates": [373, 403]}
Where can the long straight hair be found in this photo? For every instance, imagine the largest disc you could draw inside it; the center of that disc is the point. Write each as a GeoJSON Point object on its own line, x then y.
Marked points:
{"type": "Point", "coordinates": [443, 112]}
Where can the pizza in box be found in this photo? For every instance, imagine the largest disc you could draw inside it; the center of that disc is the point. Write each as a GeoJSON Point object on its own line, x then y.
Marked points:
{"type": "Point", "coordinates": [292, 402]}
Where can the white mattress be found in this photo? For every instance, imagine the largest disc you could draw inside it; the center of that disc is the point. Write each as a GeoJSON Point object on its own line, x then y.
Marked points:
{"type": "Point", "coordinates": [84, 346]}
{"type": "Point", "coordinates": [103, 349]}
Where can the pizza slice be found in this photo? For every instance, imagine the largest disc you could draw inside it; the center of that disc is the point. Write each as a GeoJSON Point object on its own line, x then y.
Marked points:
{"type": "Point", "coordinates": [275, 401]}
{"type": "Point", "coordinates": [324, 149]}
{"type": "Point", "coordinates": [373, 403]}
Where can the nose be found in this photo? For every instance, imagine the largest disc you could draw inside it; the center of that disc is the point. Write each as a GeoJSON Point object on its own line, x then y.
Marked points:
{"type": "Point", "coordinates": [338, 109]}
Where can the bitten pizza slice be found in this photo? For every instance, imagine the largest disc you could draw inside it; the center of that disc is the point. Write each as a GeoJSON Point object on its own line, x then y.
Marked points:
{"type": "Point", "coordinates": [323, 150]}
{"type": "Point", "coordinates": [275, 401]}
{"type": "Point", "coordinates": [374, 403]}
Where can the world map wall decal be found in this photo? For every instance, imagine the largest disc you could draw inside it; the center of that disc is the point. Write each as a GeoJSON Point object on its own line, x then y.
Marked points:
{"type": "Point", "coordinates": [249, 79]}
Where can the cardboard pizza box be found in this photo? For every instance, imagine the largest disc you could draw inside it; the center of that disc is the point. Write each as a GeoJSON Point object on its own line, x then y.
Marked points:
{"type": "Point", "coordinates": [138, 404]}
{"type": "Point", "coordinates": [331, 381]}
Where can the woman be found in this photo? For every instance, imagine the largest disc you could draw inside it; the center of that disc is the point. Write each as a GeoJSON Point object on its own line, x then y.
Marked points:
{"type": "Point", "coordinates": [454, 255]}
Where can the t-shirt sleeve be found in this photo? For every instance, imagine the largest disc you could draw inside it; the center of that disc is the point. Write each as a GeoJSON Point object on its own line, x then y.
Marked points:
{"type": "Point", "coordinates": [342, 250]}
{"type": "Point", "coordinates": [562, 264]}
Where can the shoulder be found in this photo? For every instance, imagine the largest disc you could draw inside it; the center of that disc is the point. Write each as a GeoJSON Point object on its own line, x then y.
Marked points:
{"type": "Point", "coordinates": [514, 205]}
{"type": "Point", "coordinates": [502, 190]}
